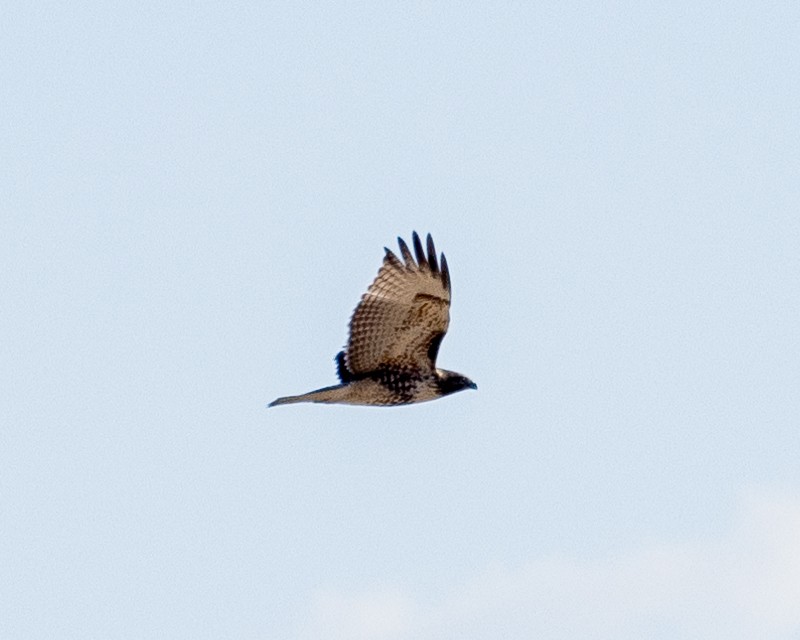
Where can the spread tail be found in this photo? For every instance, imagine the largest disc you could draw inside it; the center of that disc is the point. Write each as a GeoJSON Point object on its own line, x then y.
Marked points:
{"type": "Point", "coordinates": [328, 394]}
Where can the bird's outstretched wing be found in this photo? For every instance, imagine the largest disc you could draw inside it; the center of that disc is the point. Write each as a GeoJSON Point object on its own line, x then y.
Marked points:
{"type": "Point", "coordinates": [402, 318]}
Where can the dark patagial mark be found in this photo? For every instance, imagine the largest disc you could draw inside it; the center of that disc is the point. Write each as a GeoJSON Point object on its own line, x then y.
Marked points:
{"type": "Point", "coordinates": [345, 375]}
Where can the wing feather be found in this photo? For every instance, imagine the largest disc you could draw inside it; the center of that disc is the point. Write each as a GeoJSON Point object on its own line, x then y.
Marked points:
{"type": "Point", "coordinates": [404, 314]}
{"type": "Point", "coordinates": [421, 259]}
{"type": "Point", "coordinates": [406, 253]}
{"type": "Point", "coordinates": [445, 274]}
{"type": "Point", "coordinates": [432, 255]}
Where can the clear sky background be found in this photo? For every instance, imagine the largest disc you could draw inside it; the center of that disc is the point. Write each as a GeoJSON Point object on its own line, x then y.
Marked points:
{"type": "Point", "coordinates": [194, 196]}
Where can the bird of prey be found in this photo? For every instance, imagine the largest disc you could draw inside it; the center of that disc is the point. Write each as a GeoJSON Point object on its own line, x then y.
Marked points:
{"type": "Point", "coordinates": [395, 333]}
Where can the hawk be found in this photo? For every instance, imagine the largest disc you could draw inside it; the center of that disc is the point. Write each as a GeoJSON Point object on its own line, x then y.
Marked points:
{"type": "Point", "coordinates": [395, 333]}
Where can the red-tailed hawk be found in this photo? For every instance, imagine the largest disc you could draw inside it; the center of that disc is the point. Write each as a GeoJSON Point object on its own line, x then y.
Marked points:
{"type": "Point", "coordinates": [395, 333]}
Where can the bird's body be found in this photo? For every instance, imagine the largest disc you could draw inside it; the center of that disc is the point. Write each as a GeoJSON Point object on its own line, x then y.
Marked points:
{"type": "Point", "coordinates": [395, 333]}
{"type": "Point", "coordinates": [382, 389]}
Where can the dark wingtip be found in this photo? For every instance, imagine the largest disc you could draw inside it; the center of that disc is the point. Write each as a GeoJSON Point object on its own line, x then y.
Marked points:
{"type": "Point", "coordinates": [445, 273]}
{"type": "Point", "coordinates": [432, 255]}
{"type": "Point", "coordinates": [421, 259]}
{"type": "Point", "coordinates": [393, 260]}
{"type": "Point", "coordinates": [406, 253]}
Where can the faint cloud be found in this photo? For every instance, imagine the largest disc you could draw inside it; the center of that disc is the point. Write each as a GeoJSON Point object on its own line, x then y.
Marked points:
{"type": "Point", "coordinates": [372, 615]}
{"type": "Point", "coordinates": [743, 584]}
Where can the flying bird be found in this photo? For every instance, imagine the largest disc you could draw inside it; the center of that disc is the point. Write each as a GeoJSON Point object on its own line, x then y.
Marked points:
{"type": "Point", "coordinates": [395, 333]}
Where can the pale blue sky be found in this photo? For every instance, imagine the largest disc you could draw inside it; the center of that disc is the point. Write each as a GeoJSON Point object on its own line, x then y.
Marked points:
{"type": "Point", "coordinates": [195, 196]}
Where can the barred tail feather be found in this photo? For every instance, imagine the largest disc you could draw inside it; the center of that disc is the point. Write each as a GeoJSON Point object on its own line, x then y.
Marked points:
{"type": "Point", "coordinates": [333, 394]}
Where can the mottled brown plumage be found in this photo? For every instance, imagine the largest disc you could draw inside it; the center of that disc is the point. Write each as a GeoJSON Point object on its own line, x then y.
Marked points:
{"type": "Point", "coordinates": [395, 333]}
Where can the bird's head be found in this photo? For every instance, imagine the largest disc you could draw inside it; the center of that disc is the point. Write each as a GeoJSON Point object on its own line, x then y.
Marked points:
{"type": "Point", "coordinates": [450, 382]}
